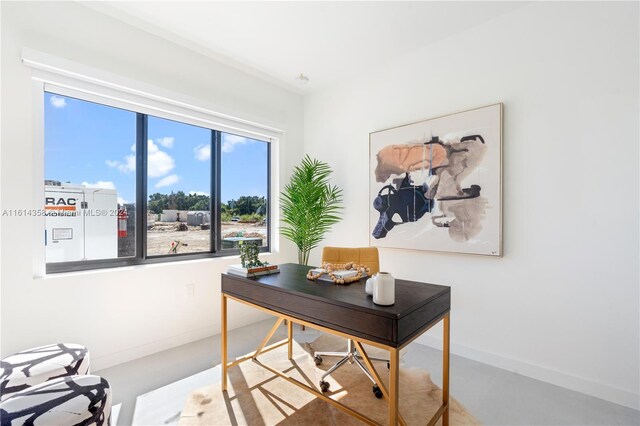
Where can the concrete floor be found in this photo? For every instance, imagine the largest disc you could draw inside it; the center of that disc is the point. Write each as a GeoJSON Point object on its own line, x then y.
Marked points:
{"type": "Point", "coordinates": [153, 389]}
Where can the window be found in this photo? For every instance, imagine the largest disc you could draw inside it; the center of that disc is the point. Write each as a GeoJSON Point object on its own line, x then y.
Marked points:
{"type": "Point", "coordinates": [244, 189]}
{"type": "Point", "coordinates": [84, 186]}
{"type": "Point", "coordinates": [124, 187]}
{"type": "Point", "coordinates": [179, 188]}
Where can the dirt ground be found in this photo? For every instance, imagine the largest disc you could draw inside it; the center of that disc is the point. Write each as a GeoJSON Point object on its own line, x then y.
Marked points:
{"type": "Point", "coordinates": [195, 240]}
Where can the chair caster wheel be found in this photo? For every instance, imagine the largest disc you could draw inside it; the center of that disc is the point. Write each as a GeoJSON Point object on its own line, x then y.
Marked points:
{"type": "Point", "coordinates": [377, 392]}
{"type": "Point", "coordinates": [324, 386]}
{"type": "Point", "coordinates": [317, 359]}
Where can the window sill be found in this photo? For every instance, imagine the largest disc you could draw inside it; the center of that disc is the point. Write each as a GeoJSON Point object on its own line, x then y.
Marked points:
{"type": "Point", "coordinates": [223, 259]}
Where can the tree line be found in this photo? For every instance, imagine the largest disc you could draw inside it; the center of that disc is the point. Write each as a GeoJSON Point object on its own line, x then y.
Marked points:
{"type": "Point", "coordinates": [243, 206]}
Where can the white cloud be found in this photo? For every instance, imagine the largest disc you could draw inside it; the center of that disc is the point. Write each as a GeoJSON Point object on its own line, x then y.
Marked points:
{"type": "Point", "coordinates": [229, 141]}
{"type": "Point", "coordinates": [122, 201]}
{"type": "Point", "coordinates": [100, 184]}
{"type": "Point", "coordinates": [166, 181]}
{"type": "Point", "coordinates": [202, 152]}
{"type": "Point", "coordinates": [198, 193]}
{"type": "Point", "coordinates": [167, 141]}
{"type": "Point", "coordinates": [129, 164]}
{"type": "Point", "coordinates": [126, 166]}
{"type": "Point", "coordinates": [159, 163]}
{"type": "Point", "coordinates": [58, 101]}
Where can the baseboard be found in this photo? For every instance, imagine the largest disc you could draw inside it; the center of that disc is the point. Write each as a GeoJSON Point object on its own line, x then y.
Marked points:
{"type": "Point", "coordinates": [578, 384]}
{"type": "Point", "coordinates": [130, 354]}
{"type": "Point", "coordinates": [120, 357]}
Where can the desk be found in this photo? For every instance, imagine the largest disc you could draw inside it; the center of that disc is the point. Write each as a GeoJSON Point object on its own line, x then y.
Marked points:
{"type": "Point", "coordinates": [346, 311]}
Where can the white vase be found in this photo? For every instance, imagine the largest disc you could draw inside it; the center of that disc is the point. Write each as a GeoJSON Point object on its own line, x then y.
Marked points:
{"type": "Point", "coordinates": [384, 289]}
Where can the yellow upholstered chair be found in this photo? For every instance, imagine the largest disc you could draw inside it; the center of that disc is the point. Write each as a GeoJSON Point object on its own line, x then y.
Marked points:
{"type": "Point", "coordinates": [365, 256]}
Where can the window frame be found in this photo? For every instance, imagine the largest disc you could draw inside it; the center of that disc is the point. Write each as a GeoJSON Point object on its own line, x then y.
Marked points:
{"type": "Point", "coordinates": [142, 113]}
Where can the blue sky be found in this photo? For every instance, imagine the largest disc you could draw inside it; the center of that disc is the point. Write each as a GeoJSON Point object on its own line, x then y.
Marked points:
{"type": "Point", "coordinates": [94, 145]}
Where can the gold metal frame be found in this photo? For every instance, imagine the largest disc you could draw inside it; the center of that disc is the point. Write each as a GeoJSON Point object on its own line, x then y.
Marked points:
{"type": "Point", "coordinates": [391, 394]}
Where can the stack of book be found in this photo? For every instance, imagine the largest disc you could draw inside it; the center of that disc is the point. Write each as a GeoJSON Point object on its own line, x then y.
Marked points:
{"type": "Point", "coordinates": [253, 271]}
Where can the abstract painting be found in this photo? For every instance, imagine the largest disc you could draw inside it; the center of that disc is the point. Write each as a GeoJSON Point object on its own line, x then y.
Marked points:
{"type": "Point", "coordinates": [437, 184]}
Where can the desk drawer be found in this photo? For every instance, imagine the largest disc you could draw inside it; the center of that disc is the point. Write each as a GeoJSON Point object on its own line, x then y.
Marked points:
{"type": "Point", "coordinates": [413, 323]}
{"type": "Point", "coordinates": [357, 323]}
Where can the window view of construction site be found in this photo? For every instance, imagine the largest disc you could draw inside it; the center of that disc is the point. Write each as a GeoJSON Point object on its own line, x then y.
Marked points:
{"type": "Point", "coordinates": [90, 189]}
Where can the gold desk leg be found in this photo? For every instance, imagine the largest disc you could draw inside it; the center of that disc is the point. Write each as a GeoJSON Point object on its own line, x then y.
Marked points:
{"type": "Point", "coordinates": [268, 337]}
{"type": "Point", "coordinates": [290, 344]}
{"type": "Point", "coordinates": [223, 310]}
{"type": "Point", "coordinates": [375, 375]}
{"type": "Point", "coordinates": [394, 385]}
{"type": "Point", "coordinates": [445, 370]}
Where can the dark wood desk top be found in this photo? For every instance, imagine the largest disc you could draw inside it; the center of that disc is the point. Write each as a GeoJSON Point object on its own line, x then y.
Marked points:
{"type": "Point", "coordinates": [345, 307]}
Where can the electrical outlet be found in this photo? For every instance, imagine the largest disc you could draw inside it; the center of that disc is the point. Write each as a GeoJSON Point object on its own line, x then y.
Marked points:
{"type": "Point", "coordinates": [190, 289]}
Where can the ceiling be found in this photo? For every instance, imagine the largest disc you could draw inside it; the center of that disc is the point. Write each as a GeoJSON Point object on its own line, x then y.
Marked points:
{"type": "Point", "coordinates": [326, 41]}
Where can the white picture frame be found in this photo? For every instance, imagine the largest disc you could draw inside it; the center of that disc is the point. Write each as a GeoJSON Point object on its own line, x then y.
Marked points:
{"type": "Point", "coordinates": [437, 184]}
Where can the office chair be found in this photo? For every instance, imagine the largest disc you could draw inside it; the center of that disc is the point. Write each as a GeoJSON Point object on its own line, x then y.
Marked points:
{"type": "Point", "coordinates": [365, 256]}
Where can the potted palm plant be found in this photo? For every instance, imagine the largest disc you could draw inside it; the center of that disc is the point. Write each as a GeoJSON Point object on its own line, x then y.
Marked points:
{"type": "Point", "coordinates": [310, 206]}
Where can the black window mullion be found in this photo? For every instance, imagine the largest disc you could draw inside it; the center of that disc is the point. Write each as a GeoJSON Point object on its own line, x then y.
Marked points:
{"type": "Point", "coordinates": [212, 209]}
{"type": "Point", "coordinates": [216, 209]}
{"type": "Point", "coordinates": [141, 186]}
{"type": "Point", "coordinates": [268, 200]}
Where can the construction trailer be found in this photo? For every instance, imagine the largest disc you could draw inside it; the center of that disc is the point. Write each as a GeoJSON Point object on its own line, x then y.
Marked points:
{"type": "Point", "coordinates": [197, 218]}
{"type": "Point", "coordinates": [81, 223]}
{"type": "Point", "coordinates": [173, 216]}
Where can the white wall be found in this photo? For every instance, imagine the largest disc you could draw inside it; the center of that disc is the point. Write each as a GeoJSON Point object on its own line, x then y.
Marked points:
{"type": "Point", "coordinates": [562, 304]}
{"type": "Point", "coordinates": [120, 313]}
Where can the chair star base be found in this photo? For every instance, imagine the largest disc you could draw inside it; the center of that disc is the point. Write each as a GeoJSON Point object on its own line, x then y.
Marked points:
{"type": "Point", "coordinates": [351, 356]}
